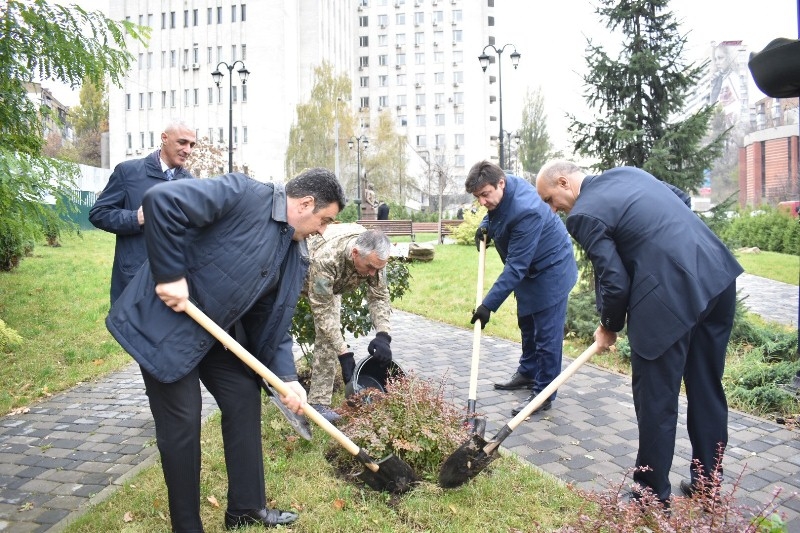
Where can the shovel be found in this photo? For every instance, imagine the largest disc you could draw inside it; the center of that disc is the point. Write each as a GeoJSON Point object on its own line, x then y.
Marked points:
{"type": "Point", "coordinates": [389, 474]}
{"type": "Point", "coordinates": [475, 425]}
{"type": "Point", "coordinates": [474, 455]}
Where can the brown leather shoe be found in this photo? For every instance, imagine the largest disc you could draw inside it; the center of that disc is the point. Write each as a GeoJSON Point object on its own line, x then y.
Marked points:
{"type": "Point", "coordinates": [517, 381]}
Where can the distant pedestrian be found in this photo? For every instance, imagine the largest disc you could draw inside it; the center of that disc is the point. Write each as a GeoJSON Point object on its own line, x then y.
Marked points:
{"type": "Point", "coordinates": [660, 267]}
{"type": "Point", "coordinates": [383, 211]}
{"type": "Point", "coordinates": [118, 208]}
{"type": "Point", "coordinates": [460, 214]}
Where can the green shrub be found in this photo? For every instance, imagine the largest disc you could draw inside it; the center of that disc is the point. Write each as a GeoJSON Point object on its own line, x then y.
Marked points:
{"type": "Point", "coordinates": [411, 420]}
{"type": "Point", "coordinates": [9, 338]}
{"type": "Point", "coordinates": [768, 229]}
{"type": "Point", "coordinates": [464, 233]}
{"type": "Point", "coordinates": [355, 315]}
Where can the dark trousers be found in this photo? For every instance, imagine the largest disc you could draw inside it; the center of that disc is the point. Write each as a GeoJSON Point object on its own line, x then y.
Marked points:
{"type": "Point", "coordinates": [542, 343]}
{"type": "Point", "coordinates": [176, 409]}
{"type": "Point", "coordinates": [699, 359]}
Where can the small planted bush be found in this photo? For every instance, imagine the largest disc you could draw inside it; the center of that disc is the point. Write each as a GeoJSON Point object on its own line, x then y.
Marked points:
{"type": "Point", "coordinates": [411, 420]}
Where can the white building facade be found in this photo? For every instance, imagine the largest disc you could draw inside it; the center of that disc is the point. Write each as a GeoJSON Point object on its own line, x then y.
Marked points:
{"type": "Point", "coordinates": [414, 58]}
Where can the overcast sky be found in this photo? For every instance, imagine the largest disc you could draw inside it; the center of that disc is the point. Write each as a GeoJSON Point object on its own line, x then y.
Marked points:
{"type": "Point", "coordinates": [551, 36]}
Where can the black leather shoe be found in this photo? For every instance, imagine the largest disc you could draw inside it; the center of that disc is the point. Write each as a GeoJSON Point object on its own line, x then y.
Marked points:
{"type": "Point", "coordinates": [686, 488]}
{"type": "Point", "coordinates": [544, 407]}
{"type": "Point", "coordinates": [265, 517]}
{"type": "Point", "coordinates": [517, 381]}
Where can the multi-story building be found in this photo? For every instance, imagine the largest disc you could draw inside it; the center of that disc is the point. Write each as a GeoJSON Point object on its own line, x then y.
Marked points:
{"type": "Point", "coordinates": [56, 119]}
{"type": "Point", "coordinates": [768, 158]}
{"type": "Point", "coordinates": [415, 59]}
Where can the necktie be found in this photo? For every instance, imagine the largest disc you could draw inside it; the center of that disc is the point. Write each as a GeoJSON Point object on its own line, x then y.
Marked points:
{"type": "Point", "coordinates": [169, 173]}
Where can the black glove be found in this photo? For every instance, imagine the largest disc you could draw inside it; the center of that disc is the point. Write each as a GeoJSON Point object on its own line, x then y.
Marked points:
{"type": "Point", "coordinates": [348, 366]}
{"type": "Point", "coordinates": [479, 233]}
{"type": "Point", "coordinates": [379, 347]}
{"type": "Point", "coordinates": [481, 313]}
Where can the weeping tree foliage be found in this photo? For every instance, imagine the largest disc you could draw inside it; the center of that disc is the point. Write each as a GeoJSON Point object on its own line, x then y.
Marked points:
{"type": "Point", "coordinates": [311, 138]}
{"type": "Point", "coordinates": [535, 146]}
{"type": "Point", "coordinates": [638, 98]}
{"type": "Point", "coordinates": [42, 41]}
{"type": "Point", "coordinates": [385, 160]}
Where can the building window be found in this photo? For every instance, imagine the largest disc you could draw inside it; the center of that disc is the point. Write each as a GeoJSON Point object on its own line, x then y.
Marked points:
{"type": "Point", "coordinates": [457, 15]}
{"type": "Point", "coordinates": [149, 60]}
{"type": "Point", "coordinates": [421, 120]}
{"type": "Point", "coordinates": [243, 13]}
{"type": "Point", "coordinates": [234, 97]}
{"type": "Point", "coordinates": [383, 80]}
{"type": "Point", "coordinates": [440, 138]}
{"type": "Point", "coordinates": [163, 58]}
{"type": "Point", "coordinates": [233, 13]}
{"type": "Point", "coordinates": [141, 100]}
{"type": "Point", "coordinates": [401, 99]}
{"type": "Point", "coordinates": [195, 17]}
{"type": "Point", "coordinates": [219, 15]}
{"type": "Point", "coordinates": [401, 59]}
{"type": "Point", "coordinates": [459, 118]}
{"type": "Point", "coordinates": [244, 132]}
{"type": "Point", "coordinates": [421, 141]}
{"type": "Point", "coordinates": [457, 36]}
{"type": "Point", "coordinates": [244, 93]}
{"type": "Point", "coordinates": [400, 39]}
{"type": "Point", "coordinates": [365, 102]}
{"type": "Point", "coordinates": [458, 76]}
{"type": "Point", "coordinates": [383, 40]}
{"type": "Point", "coordinates": [363, 21]}
{"type": "Point", "coordinates": [363, 61]}
{"type": "Point", "coordinates": [401, 79]}
{"type": "Point", "coordinates": [438, 77]}
{"type": "Point", "coordinates": [233, 52]}
{"type": "Point", "coordinates": [383, 101]}
{"type": "Point", "coordinates": [458, 98]}
{"type": "Point", "coordinates": [458, 56]}
{"type": "Point", "coordinates": [235, 135]}
{"type": "Point", "coordinates": [152, 140]}
{"type": "Point", "coordinates": [363, 41]}
{"type": "Point", "coordinates": [172, 98]}
{"type": "Point", "coordinates": [419, 78]}
{"type": "Point", "coordinates": [210, 16]}
{"type": "Point", "coordinates": [459, 139]}
{"type": "Point", "coordinates": [128, 101]}
{"type": "Point", "coordinates": [210, 95]}
{"type": "Point", "coordinates": [209, 59]}
{"type": "Point", "coordinates": [460, 160]}
{"type": "Point", "coordinates": [244, 52]}
{"type": "Point", "coordinates": [195, 55]}
{"type": "Point", "coordinates": [173, 58]}
{"type": "Point", "coordinates": [196, 96]}
{"type": "Point", "coordinates": [438, 57]}
{"type": "Point", "coordinates": [420, 99]}
{"type": "Point", "coordinates": [221, 138]}
{"type": "Point", "coordinates": [419, 18]}
{"type": "Point", "coordinates": [364, 81]}
{"type": "Point", "coordinates": [185, 18]}
{"type": "Point", "coordinates": [150, 100]}
{"type": "Point", "coordinates": [141, 139]}
{"type": "Point", "coordinates": [383, 60]}
{"type": "Point", "coordinates": [186, 98]}
{"type": "Point", "coordinates": [439, 122]}
{"type": "Point", "coordinates": [163, 21]}
{"type": "Point", "coordinates": [141, 62]}
{"type": "Point", "coordinates": [400, 19]}
{"type": "Point", "coordinates": [163, 99]}
{"type": "Point", "coordinates": [172, 20]}
{"type": "Point", "coordinates": [419, 58]}
{"type": "Point", "coordinates": [130, 141]}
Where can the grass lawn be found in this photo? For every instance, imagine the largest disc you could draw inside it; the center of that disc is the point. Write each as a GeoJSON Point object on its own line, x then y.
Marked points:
{"type": "Point", "coordinates": [772, 265]}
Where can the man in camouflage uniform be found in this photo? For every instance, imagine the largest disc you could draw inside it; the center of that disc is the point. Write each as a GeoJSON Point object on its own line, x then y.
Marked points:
{"type": "Point", "coordinates": [341, 259]}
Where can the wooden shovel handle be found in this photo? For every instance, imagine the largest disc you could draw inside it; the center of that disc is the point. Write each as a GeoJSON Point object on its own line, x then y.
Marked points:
{"type": "Point", "coordinates": [555, 384]}
{"type": "Point", "coordinates": [283, 389]}
{"type": "Point", "coordinates": [476, 331]}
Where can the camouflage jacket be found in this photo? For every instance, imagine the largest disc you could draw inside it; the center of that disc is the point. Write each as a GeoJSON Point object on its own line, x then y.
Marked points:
{"type": "Point", "coordinates": [332, 273]}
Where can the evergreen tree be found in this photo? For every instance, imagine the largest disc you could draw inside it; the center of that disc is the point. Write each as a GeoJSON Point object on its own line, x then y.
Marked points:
{"type": "Point", "coordinates": [639, 98]}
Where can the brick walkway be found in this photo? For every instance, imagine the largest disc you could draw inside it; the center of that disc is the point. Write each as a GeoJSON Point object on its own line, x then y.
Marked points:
{"type": "Point", "coordinates": [76, 448]}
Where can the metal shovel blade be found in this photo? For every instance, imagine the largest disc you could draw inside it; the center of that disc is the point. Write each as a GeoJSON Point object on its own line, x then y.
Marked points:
{"type": "Point", "coordinates": [393, 475]}
{"type": "Point", "coordinates": [465, 463]}
{"type": "Point", "coordinates": [298, 422]}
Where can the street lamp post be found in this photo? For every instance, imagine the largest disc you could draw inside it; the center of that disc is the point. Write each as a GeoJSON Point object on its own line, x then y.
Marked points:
{"type": "Point", "coordinates": [217, 76]}
{"type": "Point", "coordinates": [485, 60]}
{"type": "Point", "coordinates": [512, 135]}
{"type": "Point", "coordinates": [358, 142]}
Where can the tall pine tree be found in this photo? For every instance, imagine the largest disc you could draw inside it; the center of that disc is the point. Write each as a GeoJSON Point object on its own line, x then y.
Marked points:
{"type": "Point", "coordinates": [639, 98]}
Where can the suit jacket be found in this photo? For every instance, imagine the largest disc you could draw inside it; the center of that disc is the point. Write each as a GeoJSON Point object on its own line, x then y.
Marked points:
{"type": "Point", "coordinates": [230, 238]}
{"type": "Point", "coordinates": [539, 266]}
{"type": "Point", "coordinates": [116, 211]}
{"type": "Point", "coordinates": [655, 261]}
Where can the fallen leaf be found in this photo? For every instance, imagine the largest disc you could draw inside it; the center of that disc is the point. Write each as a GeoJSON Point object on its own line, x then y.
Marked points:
{"type": "Point", "coordinates": [575, 442]}
{"type": "Point", "coordinates": [213, 501]}
{"type": "Point", "coordinates": [338, 504]}
{"type": "Point", "coordinates": [19, 411]}
{"type": "Point", "coordinates": [98, 362]}
{"type": "Point", "coordinates": [128, 517]}
{"type": "Point", "coordinates": [453, 509]}
{"type": "Point", "coordinates": [589, 456]}
{"type": "Point", "coordinates": [162, 516]}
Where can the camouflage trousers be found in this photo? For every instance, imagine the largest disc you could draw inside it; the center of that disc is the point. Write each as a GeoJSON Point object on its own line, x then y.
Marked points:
{"type": "Point", "coordinates": [325, 365]}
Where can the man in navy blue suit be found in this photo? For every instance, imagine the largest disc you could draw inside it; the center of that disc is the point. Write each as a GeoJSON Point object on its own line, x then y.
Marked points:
{"type": "Point", "coordinates": [539, 268]}
{"type": "Point", "coordinates": [659, 265]}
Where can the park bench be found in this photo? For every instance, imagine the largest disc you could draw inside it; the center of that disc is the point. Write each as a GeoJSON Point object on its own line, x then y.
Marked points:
{"type": "Point", "coordinates": [390, 227]}
{"type": "Point", "coordinates": [433, 227]}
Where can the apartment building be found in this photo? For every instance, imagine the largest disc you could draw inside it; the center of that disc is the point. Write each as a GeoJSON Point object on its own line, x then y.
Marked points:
{"type": "Point", "coordinates": [415, 59]}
